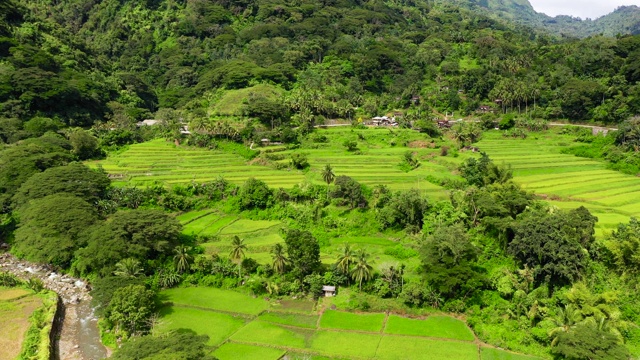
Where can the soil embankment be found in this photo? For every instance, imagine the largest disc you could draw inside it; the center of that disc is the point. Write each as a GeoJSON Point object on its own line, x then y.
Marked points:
{"type": "Point", "coordinates": [78, 336]}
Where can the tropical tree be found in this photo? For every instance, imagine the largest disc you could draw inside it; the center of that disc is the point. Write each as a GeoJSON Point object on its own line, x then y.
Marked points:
{"type": "Point", "coordinates": [128, 268]}
{"type": "Point", "coordinates": [362, 271]}
{"type": "Point", "coordinates": [346, 258]}
{"type": "Point", "coordinates": [565, 319]}
{"type": "Point", "coordinates": [279, 258]}
{"type": "Point", "coordinates": [238, 248]}
{"type": "Point", "coordinates": [328, 176]}
{"type": "Point", "coordinates": [182, 258]}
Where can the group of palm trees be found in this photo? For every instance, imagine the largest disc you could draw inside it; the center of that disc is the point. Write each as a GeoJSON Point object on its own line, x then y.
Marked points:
{"type": "Point", "coordinates": [355, 264]}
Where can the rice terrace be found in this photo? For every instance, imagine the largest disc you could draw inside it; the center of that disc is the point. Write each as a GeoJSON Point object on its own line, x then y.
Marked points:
{"type": "Point", "coordinates": [258, 328]}
{"type": "Point", "coordinates": [319, 180]}
{"type": "Point", "coordinates": [242, 327]}
{"type": "Point", "coordinates": [538, 162]}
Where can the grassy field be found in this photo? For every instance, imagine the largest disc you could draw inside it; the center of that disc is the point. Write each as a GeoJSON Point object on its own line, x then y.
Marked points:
{"type": "Point", "coordinates": [16, 305]}
{"type": "Point", "coordinates": [292, 327]}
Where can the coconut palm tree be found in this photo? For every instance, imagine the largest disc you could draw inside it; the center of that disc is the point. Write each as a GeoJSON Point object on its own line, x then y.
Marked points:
{"type": "Point", "coordinates": [346, 259]}
{"type": "Point", "coordinates": [565, 320]}
{"type": "Point", "coordinates": [238, 248]}
{"type": "Point", "coordinates": [361, 270]}
{"type": "Point", "coordinates": [182, 258]}
{"type": "Point", "coordinates": [328, 176]}
{"type": "Point", "coordinates": [279, 259]}
{"type": "Point", "coordinates": [128, 268]}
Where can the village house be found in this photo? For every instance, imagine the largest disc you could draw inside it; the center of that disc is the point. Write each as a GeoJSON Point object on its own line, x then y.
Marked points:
{"type": "Point", "coordinates": [329, 291]}
{"type": "Point", "coordinates": [384, 121]}
{"type": "Point", "coordinates": [485, 109]}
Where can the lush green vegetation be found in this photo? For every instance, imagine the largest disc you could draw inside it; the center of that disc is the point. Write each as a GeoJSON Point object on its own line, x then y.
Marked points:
{"type": "Point", "coordinates": [235, 188]}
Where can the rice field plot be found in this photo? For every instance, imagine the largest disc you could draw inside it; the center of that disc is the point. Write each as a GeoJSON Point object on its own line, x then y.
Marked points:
{"type": "Point", "coordinates": [299, 320]}
{"type": "Point", "coordinates": [247, 226]}
{"type": "Point", "coordinates": [264, 333]}
{"type": "Point", "coordinates": [497, 354]}
{"type": "Point", "coordinates": [190, 216]}
{"type": "Point", "coordinates": [345, 344]}
{"type": "Point", "coordinates": [377, 162]}
{"type": "Point", "coordinates": [332, 319]}
{"type": "Point", "coordinates": [433, 326]}
{"type": "Point", "coordinates": [215, 299]}
{"type": "Point", "coordinates": [234, 351]}
{"type": "Point", "coordinates": [401, 348]}
{"type": "Point", "coordinates": [159, 160]}
{"type": "Point", "coordinates": [216, 325]}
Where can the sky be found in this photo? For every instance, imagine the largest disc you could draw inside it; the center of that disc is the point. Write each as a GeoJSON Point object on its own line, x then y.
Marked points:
{"type": "Point", "coordinates": [581, 8]}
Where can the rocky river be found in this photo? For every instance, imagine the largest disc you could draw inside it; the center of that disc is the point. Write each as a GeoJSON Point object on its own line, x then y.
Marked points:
{"type": "Point", "coordinates": [78, 336]}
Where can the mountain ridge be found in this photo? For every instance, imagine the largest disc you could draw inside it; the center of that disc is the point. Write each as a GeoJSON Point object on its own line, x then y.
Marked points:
{"type": "Point", "coordinates": [624, 20]}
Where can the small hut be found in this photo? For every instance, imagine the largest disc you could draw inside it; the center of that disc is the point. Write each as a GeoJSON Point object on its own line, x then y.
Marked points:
{"type": "Point", "coordinates": [329, 291]}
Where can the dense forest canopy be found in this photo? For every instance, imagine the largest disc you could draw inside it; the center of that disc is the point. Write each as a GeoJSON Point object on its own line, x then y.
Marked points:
{"type": "Point", "coordinates": [83, 62]}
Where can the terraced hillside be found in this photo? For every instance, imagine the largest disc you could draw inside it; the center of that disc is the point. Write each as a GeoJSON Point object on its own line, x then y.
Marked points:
{"type": "Point", "coordinates": [217, 230]}
{"type": "Point", "coordinates": [565, 180]}
{"type": "Point", "coordinates": [539, 165]}
{"type": "Point", "coordinates": [256, 328]}
{"type": "Point", "coordinates": [375, 162]}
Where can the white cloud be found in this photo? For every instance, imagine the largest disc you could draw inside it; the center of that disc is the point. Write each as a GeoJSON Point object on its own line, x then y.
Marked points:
{"type": "Point", "coordinates": [581, 8]}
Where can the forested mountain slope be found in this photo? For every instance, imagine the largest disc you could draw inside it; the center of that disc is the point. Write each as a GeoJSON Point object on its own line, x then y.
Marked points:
{"type": "Point", "coordinates": [624, 20]}
{"type": "Point", "coordinates": [83, 60]}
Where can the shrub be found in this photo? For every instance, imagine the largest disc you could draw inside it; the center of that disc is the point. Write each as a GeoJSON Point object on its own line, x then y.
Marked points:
{"type": "Point", "coordinates": [299, 161]}
{"type": "Point", "coordinates": [508, 121]}
{"type": "Point", "coordinates": [351, 145]}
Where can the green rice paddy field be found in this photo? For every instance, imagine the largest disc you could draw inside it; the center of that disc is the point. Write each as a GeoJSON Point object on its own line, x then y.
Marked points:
{"type": "Point", "coordinates": [538, 164]}
{"type": "Point", "coordinates": [243, 327]}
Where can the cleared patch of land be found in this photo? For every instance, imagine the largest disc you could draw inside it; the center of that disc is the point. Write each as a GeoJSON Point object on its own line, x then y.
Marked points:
{"type": "Point", "coordinates": [16, 306]}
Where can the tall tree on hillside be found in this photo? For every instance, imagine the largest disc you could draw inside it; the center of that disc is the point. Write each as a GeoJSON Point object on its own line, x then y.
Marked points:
{"type": "Point", "coordinates": [279, 259]}
{"type": "Point", "coordinates": [362, 271]}
{"type": "Point", "coordinates": [328, 176]}
{"type": "Point", "coordinates": [303, 252]}
{"type": "Point", "coordinates": [238, 248]}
